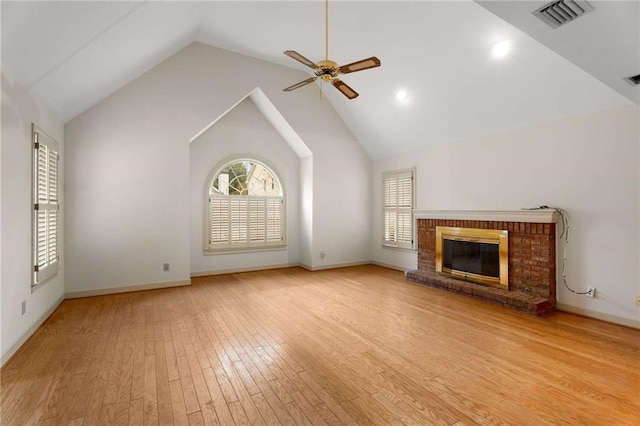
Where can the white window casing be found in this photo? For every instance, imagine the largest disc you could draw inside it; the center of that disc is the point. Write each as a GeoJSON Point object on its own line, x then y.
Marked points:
{"type": "Point", "coordinates": [398, 195]}
{"type": "Point", "coordinates": [46, 207]}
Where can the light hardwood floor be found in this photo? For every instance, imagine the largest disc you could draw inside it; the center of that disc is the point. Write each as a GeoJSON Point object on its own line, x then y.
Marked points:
{"type": "Point", "coordinates": [348, 346]}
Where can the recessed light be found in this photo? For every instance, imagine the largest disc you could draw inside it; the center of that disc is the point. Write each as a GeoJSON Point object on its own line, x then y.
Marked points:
{"type": "Point", "coordinates": [500, 49]}
{"type": "Point", "coordinates": [401, 95]}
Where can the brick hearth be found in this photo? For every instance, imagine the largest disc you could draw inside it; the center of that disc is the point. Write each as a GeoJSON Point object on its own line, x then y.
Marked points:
{"type": "Point", "coordinates": [532, 264]}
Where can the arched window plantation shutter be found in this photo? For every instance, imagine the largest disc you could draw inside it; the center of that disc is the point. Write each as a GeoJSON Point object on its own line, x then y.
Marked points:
{"type": "Point", "coordinates": [246, 208]}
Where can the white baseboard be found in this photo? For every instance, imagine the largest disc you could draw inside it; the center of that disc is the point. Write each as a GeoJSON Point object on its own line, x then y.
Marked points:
{"type": "Point", "coordinates": [335, 265]}
{"type": "Point", "coordinates": [126, 289]}
{"type": "Point", "coordinates": [23, 338]}
{"type": "Point", "coordinates": [278, 266]}
{"type": "Point", "coordinates": [598, 315]}
{"type": "Point", "coordinates": [389, 266]}
{"type": "Point", "coordinates": [249, 269]}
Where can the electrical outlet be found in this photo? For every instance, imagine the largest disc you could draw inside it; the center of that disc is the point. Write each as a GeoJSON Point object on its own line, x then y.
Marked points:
{"type": "Point", "coordinates": [24, 307]}
{"type": "Point", "coordinates": [637, 300]}
{"type": "Point", "coordinates": [591, 292]}
{"type": "Point", "coordinates": [322, 255]}
{"type": "Point", "coordinates": [165, 267]}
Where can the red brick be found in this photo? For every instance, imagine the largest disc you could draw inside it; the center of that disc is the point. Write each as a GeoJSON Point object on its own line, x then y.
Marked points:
{"type": "Point", "coordinates": [531, 261]}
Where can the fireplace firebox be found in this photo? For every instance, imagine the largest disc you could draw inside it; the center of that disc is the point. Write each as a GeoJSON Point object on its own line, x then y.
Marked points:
{"type": "Point", "coordinates": [476, 255]}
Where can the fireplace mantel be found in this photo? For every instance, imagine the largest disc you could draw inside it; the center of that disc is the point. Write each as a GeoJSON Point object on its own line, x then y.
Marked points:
{"type": "Point", "coordinates": [530, 216]}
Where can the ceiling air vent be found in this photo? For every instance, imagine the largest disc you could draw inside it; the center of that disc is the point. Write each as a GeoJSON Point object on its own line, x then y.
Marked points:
{"type": "Point", "coordinates": [562, 12]}
{"type": "Point", "coordinates": [634, 80]}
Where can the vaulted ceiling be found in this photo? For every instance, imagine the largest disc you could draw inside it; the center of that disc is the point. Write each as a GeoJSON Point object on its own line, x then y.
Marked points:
{"type": "Point", "coordinates": [74, 54]}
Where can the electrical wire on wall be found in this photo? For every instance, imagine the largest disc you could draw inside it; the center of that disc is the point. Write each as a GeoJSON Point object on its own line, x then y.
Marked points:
{"type": "Point", "coordinates": [564, 234]}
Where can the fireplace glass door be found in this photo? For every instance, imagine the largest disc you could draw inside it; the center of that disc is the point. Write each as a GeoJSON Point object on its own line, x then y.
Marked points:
{"type": "Point", "coordinates": [473, 257]}
{"type": "Point", "coordinates": [478, 255]}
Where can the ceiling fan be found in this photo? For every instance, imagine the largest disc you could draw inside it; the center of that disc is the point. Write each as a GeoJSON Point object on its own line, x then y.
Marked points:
{"type": "Point", "coordinates": [328, 70]}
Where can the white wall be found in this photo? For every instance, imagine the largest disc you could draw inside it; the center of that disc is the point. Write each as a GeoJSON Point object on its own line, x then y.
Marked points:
{"type": "Point", "coordinates": [306, 211]}
{"type": "Point", "coordinates": [588, 166]}
{"type": "Point", "coordinates": [243, 131]}
{"type": "Point", "coordinates": [341, 200]}
{"type": "Point", "coordinates": [127, 158]}
{"type": "Point", "coordinates": [19, 110]}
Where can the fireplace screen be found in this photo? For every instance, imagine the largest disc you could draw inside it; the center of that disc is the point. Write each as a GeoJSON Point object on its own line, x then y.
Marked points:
{"type": "Point", "coordinates": [478, 255]}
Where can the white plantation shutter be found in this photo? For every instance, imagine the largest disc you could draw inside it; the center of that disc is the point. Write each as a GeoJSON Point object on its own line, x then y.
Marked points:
{"type": "Point", "coordinates": [238, 214]}
{"type": "Point", "coordinates": [219, 220]}
{"type": "Point", "coordinates": [253, 219]}
{"type": "Point", "coordinates": [243, 221]}
{"type": "Point", "coordinates": [46, 207]}
{"type": "Point", "coordinates": [257, 225]}
{"type": "Point", "coordinates": [273, 220]}
{"type": "Point", "coordinates": [398, 196]}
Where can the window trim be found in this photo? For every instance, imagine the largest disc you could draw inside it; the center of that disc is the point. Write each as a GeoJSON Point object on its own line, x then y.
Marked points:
{"type": "Point", "coordinates": [239, 248]}
{"type": "Point", "coordinates": [399, 244]}
{"type": "Point", "coordinates": [41, 276]}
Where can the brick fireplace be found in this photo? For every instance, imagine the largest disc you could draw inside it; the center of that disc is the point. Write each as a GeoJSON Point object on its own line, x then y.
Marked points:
{"type": "Point", "coordinates": [531, 256]}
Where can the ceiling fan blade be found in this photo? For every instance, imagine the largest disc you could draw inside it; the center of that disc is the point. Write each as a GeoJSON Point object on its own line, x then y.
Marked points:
{"type": "Point", "coordinates": [300, 84]}
{"type": "Point", "coordinates": [363, 64]}
{"type": "Point", "coordinates": [298, 57]}
{"type": "Point", "coordinates": [345, 89]}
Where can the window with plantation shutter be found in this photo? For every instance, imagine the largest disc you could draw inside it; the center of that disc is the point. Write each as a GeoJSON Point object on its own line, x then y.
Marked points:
{"type": "Point", "coordinates": [46, 208]}
{"type": "Point", "coordinates": [246, 208]}
{"type": "Point", "coordinates": [398, 196]}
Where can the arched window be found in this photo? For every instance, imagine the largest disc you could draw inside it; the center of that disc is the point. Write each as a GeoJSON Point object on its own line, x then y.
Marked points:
{"type": "Point", "coordinates": [246, 207]}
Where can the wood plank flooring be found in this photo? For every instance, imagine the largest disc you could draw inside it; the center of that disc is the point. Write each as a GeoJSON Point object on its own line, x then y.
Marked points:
{"type": "Point", "coordinates": [347, 346]}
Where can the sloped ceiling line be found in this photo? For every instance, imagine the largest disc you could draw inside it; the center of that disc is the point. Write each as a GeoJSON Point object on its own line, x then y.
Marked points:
{"type": "Point", "coordinates": [87, 44]}
{"type": "Point", "coordinates": [272, 115]}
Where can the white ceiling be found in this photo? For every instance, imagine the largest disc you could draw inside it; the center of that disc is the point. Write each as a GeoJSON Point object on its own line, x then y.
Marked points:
{"type": "Point", "coordinates": [73, 54]}
{"type": "Point", "coordinates": [605, 42]}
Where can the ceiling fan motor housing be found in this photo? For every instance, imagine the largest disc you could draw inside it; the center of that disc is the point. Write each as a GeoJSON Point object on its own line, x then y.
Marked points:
{"type": "Point", "coordinates": [327, 70]}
